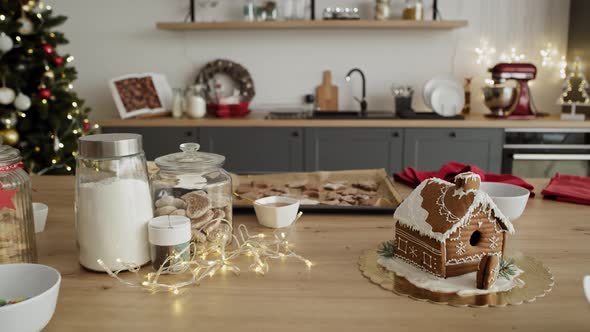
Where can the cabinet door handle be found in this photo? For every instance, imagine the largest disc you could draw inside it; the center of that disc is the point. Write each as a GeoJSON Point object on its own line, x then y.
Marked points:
{"type": "Point", "coordinates": [295, 134]}
{"type": "Point", "coordinates": [395, 134]}
{"type": "Point", "coordinates": [188, 133]}
{"type": "Point", "coordinates": [452, 134]}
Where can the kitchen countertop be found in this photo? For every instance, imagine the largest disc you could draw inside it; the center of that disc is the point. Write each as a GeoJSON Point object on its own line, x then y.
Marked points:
{"type": "Point", "coordinates": [333, 295]}
{"type": "Point", "coordinates": [258, 120]}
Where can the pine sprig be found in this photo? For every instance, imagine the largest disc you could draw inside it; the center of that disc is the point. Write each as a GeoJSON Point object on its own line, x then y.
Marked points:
{"type": "Point", "coordinates": [507, 269]}
{"type": "Point", "coordinates": [387, 249]}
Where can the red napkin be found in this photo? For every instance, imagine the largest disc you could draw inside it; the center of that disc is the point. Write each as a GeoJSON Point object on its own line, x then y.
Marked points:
{"type": "Point", "coordinates": [448, 171]}
{"type": "Point", "coordinates": [568, 188]}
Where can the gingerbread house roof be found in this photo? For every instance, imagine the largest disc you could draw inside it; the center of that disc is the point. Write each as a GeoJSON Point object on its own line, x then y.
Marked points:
{"type": "Point", "coordinates": [437, 208]}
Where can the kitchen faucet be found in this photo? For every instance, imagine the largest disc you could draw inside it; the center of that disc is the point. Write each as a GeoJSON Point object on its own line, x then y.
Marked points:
{"type": "Point", "coordinates": [362, 101]}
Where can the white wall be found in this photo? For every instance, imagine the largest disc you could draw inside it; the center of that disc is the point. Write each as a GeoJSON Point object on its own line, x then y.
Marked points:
{"type": "Point", "coordinates": [115, 37]}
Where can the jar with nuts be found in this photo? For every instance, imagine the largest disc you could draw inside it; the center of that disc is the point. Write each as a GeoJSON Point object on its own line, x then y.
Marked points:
{"type": "Point", "coordinates": [192, 183]}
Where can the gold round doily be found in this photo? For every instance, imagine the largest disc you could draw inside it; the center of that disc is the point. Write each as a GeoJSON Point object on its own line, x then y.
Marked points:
{"type": "Point", "coordinates": [538, 282]}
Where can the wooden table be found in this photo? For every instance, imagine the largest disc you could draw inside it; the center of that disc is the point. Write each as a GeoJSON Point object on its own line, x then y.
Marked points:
{"type": "Point", "coordinates": [333, 295]}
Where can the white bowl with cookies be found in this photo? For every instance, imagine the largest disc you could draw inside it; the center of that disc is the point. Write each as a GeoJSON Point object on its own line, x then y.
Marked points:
{"type": "Point", "coordinates": [276, 211]}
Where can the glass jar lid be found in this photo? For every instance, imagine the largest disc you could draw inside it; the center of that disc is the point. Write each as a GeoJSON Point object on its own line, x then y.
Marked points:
{"type": "Point", "coordinates": [190, 159]}
{"type": "Point", "coordinates": [9, 155]}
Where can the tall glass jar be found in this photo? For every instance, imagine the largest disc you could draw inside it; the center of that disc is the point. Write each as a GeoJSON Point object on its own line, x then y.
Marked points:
{"type": "Point", "coordinates": [194, 184]}
{"type": "Point", "coordinates": [113, 201]}
{"type": "Point", "coordinates": [17, 228]}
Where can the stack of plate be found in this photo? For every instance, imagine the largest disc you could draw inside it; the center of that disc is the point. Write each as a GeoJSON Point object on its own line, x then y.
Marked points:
{"type": "Point", "coordinates": [444, 96]}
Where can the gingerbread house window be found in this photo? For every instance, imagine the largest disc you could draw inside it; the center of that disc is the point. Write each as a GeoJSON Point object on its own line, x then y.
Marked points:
{"type": "Point", "coordinates": [402, 245]}
{"type": "Point", "coordinates": [426, 259]}
{"type": "Point", "coordinates": [475, 238]}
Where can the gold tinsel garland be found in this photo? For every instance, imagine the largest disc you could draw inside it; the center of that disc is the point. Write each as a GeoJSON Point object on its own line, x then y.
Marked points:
{"type": "Point", "coordinates": [209, 258]}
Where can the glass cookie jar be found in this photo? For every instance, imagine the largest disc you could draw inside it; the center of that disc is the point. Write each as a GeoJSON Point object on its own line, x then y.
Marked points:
{"type": "Point", "coordinates": [194, 184]}
{"type": "Point", "coordinates": [17, 228]}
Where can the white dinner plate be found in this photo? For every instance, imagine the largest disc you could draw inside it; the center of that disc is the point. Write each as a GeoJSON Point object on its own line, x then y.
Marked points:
{"type": "Point", "coordinates": [433, 83]}
{"type": "Point", "coordinates": [447, 100]}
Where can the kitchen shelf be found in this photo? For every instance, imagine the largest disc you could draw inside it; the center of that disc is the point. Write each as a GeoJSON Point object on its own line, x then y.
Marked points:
{"type": "Point", "coordinates": [319, 25]}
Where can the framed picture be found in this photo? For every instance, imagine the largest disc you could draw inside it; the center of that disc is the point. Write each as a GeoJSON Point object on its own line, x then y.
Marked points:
{"type": "Point", "coordinates": [141, 94]}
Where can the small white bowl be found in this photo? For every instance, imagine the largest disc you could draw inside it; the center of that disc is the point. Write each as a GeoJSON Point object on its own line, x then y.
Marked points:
{"type": "Point", "coordinates": [39, 285]}
{"type": "Point", "coordinates": [273, 216]}
{"type": "Point", "coordinates": [40, 212]}
{"type": "Point", "coordinates": [510, 199]}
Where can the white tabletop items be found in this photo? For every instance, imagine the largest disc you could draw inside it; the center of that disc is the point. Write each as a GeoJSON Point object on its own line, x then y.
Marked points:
{"type": "Point", "coordinates": [113, 201]}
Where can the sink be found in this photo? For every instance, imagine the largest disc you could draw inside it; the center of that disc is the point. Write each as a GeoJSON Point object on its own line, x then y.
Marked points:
{"type": "Point", "coordinates": [331, 115]}
{"type": "Point", "coordinates": [357, 115]}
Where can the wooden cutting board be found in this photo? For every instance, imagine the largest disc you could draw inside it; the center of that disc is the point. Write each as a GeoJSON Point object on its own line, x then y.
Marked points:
{"type": "Point", "coordinates": [327, 94]}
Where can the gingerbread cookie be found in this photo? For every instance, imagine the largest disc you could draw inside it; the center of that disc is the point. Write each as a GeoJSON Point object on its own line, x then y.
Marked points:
{"type": "Point", "coordinates": [197, 204]}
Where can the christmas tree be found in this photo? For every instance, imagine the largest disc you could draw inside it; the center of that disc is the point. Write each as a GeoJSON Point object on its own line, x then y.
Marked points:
{"type": "Point", "coordinates": [40, 114]}
{"type": "Point", "coordinates": [574, 87]}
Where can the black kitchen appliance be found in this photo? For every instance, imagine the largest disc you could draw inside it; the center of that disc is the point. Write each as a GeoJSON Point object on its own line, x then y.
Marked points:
{"type": "Point", "coordinates": [540, 153]}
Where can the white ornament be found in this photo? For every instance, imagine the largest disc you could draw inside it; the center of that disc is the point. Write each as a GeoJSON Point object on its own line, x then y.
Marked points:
{"type": "Point", "coordinates": [26, 26]}
{"type": "Point", "coordinates": [6, 42]}
{"type": "Point", "coordinates": [6, 96]}
{"type": "Point", "coordinates": [22, 102]}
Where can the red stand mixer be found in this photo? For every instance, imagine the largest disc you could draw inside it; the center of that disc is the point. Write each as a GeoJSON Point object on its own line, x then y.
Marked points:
{"type": "Point", "coordinates": [511, 102]}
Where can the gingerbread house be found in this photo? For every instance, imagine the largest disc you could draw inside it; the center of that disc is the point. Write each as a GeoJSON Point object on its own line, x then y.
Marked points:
{"type": "Point", "coordinates": [445, 229]}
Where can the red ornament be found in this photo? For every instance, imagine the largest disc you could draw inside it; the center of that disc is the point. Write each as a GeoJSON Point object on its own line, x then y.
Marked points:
{"type": "Point", "coordinates": [47, 48]}
{"type": "Point", "coordinates": [45, 93]}
{"type": "Point", "coordinates": [58, 61]}
{"type": "Point", "coordinates": [86, 126]}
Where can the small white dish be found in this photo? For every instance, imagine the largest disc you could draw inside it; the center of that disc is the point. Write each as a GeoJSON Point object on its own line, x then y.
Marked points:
{"type": "Point", "coordinates": [510, 199]}
{"type": "Point", "coordinates": [276, 216]}
{"type": "Point", "coordinates": [40, 212]}
{"type": "Point", "coordinates": [39, 285]}
{"type": "Point", "coordinates": [587, 287]}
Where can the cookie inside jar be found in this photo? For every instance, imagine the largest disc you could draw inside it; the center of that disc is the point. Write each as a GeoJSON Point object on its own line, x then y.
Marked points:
{"type": "Point", "coordinates": [194, 184]}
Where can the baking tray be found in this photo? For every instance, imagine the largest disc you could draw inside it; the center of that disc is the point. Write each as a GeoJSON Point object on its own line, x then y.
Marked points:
{"type": "Point", "coordinates": [386, 189]}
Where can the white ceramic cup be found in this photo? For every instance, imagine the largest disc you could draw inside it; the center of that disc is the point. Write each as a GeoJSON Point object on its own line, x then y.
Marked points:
{"type": "Point", "coordinates": [273, 216]}
{"type": "Point", "coordinates": [40, 212]}
{"type": "Point", "coordinates": [39, 285]}
{"type": "Point", "coordinates": [510, 199]}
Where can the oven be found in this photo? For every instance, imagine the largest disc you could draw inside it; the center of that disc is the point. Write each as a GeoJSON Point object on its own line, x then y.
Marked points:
{"type": "Point", "coordinates": [540, 153]}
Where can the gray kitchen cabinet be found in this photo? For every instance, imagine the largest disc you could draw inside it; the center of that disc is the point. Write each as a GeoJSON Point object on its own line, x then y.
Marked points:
{"type": "Point", "coordinates": [256, 150]}
{"type": "Point", "coordinates": [353, 148]}
{"type": "Point", "coordinates": [429, 149]}
{"type": "Point", "coordinates": [159, 141]}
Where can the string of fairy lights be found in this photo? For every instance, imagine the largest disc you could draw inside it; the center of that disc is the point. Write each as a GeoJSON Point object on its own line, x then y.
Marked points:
{"type": "Point", "coordinates": [550, 57]}
{"type": "Point", "coordinates": [576, 72]}
{"type": "Point", "coordinates": [208, 259]}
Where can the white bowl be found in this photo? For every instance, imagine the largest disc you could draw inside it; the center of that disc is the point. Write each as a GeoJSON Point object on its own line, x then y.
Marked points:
{"type": "Point", "coordinates": [276, 217]}
{"type": "Point", "coordinates": [587, 287]}
{"type": "Point", "coordinates": [40, 212]}
{"type": "Point", "coordinates": [39, 284]}
{"type": "Point", "coordinates": [510, 199]}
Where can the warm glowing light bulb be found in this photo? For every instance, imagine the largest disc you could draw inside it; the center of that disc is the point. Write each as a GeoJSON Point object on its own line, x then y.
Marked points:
{"type": "Point", "coordinates": [2, 17]}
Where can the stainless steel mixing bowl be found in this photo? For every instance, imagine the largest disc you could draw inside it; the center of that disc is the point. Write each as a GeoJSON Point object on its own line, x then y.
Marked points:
{"type": "Point", "coordinates": [499, 98]}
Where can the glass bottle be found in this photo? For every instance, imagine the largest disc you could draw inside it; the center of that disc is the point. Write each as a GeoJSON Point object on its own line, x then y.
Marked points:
{"type": "Point", "coordinates": [413, 10]}
{"type": "Point", "coordinates": [113, 201]}
{"type": "Point", "coordinates": [178, 103]}
{"type": "Point", "coordinates": [194, 184]}
{"type": "Point", "coordinates": [17, 227]}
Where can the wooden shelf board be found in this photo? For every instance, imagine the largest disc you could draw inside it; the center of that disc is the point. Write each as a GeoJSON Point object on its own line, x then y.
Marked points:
{"type": "Point", "coordinates": [276, 25]}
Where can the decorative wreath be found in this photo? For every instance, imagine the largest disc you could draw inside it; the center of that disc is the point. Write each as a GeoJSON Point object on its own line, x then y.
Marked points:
{"type": "Point", "coordinates": [235, 71]}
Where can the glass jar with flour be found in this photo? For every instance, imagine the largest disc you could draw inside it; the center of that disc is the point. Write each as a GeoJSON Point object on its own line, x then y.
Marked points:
{"type": "Point", "coordinates": [194, 184]}
{"type": "Point", "coordinates": [113, 201]}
